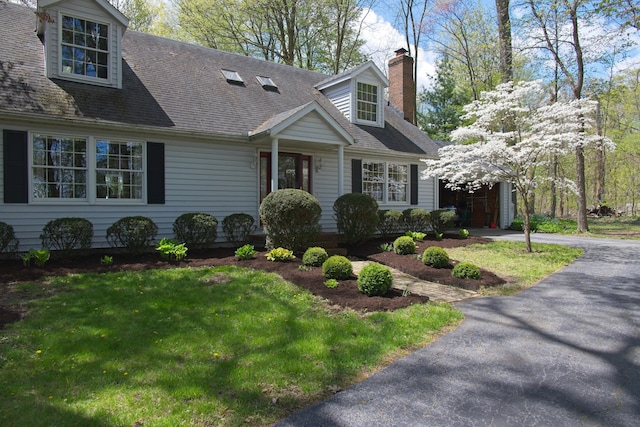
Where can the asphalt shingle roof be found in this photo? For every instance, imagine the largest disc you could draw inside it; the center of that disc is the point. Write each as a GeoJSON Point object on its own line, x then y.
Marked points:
{"type": "Point", "coordinates": [175, 85]}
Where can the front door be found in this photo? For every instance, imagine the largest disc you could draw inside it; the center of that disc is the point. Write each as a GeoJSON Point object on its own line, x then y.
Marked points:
{"type": "Point", "coordinates": [294, 171]}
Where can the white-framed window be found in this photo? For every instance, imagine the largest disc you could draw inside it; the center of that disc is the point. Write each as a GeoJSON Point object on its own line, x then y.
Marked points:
{"type": "Point", "coordinates": [86, 169]}
{"type": "Point", "coordinates": [119, 170]}
{"type": "Point", "coordinates": [84, 47]}
{"type": "Point", "coordinates": [367, 102]}
{"type": "Point", "coordinates": [386, 182]}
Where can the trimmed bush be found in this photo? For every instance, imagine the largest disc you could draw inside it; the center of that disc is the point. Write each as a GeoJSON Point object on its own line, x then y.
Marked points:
{"type": "Point", "coordinates": [291, 218]}
{"type": "Point", "coordinates": [391, 222]}
{"type": "Point", "coordinates": [375, 279]}
{"type": "Point", "coordinates": [356, 217]}
{"type": "Point", "coordinates": [466, 270]}
{"type": "Point", "coordinates": [404, 245]}
{"type": "Point", "coordinates": [436, 257]}
{"type": "Point", "coordinates": [238, 227]}
{"type": "Point", "coordinates": [442, 220]}
{"type": "Point", "coordinates": [416, 219]}
{"type": "Point", "coordinates": [8, 241]}
{"type": "Point", "coordinates": [315, 256]}
{"type": "Point", "coordinates": [134, 233]}
{"type": "Point", "coordinates": [67, 234]}
{"type": "Point", "coordinates": [337, 267]}
{"type": "Point", "coordinates": [196, 230]}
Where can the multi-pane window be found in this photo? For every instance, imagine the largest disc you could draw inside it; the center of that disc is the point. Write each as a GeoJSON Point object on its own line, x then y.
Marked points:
{"type": "Point", "coordinates": [385, 182]}
{"type": "Point", "coordinates": [119, 171]}
{"type": "Point", "coordinates": [84, 47]}
{"type": "Point", "coordinates": [59, 167]}
{"type": "Point", "coordinates": [367, 102]}
{"type": "Point", "coordinates": [86, 168]}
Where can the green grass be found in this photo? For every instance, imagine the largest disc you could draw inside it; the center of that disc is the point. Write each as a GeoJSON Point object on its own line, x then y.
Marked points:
{"type": "Point", "coordinates": [511, 261]}
{"type": "Point", "coordinates": [619, 228]}
{"type": "Point", "coordinates": [188, 347]}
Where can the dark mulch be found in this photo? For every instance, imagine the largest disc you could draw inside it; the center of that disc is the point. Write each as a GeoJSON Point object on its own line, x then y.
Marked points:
{"type": "Point", "coordinates": [12, 272]}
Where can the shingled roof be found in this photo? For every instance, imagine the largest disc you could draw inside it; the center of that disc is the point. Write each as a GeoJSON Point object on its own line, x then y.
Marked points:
{"type": "Point", "coordinates": [179, 86]}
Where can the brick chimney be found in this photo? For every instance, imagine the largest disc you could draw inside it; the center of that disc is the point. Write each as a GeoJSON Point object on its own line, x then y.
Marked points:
{"type": "Point", "coordinates": [401, 84]}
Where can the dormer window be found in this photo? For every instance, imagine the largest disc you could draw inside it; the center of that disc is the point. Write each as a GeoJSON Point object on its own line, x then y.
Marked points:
{"type": "Point", "coordinates": [367, 102]}
{"type": "Point", "coordinates": [84, 47]}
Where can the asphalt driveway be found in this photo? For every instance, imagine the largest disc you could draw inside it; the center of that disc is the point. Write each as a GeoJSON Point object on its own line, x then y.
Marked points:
{"type": "Point", "coordinates": [565, 352]}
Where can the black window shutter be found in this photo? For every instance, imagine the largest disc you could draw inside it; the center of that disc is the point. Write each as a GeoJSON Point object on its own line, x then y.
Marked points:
{"type": "Point", "coordinates": [413, 178]}
{"type": "Point", "coordinates": [356, 176]}
{"type": "Point", "coordinates": [16, 163]}
{"type": "Point", "coordinates": [155, 173]}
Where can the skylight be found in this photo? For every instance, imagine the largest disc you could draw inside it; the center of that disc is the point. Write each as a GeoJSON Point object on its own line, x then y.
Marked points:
{"type": "Point", "coordinates": [232, 76]}
{"type": "Point", "coordinates": [266, 81]}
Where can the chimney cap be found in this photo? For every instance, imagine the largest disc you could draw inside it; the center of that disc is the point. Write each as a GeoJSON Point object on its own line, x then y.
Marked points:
{"type": "Point", "coordinates": [401, 51]}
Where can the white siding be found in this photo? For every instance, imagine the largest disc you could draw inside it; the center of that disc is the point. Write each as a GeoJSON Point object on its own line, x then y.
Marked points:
{"type": "Point", "coordinates": [311, 127]}
{"type": "Point", "coordinates": [507, 208]}
{"type": "Point", "coordinates": [325, 188]}
{"type": "Point", "coordinates": [340, 96]}
{"type": "Point", "coordinates": [199, 177]}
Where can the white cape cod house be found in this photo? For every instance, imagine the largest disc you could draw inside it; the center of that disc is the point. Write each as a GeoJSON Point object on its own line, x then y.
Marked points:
{"type": "Point", "coordinates": [101, 122]}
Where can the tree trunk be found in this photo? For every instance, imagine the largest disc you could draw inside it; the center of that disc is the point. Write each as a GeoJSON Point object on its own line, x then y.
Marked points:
{"type": "Point", "coordinates": [504, 34]}
{"type": "Point", "coordinates": [582, 194]}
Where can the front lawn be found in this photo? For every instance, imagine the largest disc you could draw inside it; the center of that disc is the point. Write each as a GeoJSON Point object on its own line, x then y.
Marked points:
{"type": "Point", "coordinates": [207, 346]}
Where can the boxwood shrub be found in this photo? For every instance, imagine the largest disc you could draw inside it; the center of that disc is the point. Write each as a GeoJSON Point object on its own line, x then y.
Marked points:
{"type": "Point", "coordinates": [375, 279]}
{"type": "Point", "coordinates": [134, 233]}
{"type": "Point", "coordinates": [404, 245]}
{"type": "Point", "coordinates": [356, 217]}
{"type": "Point", "coordinates": [337, 267]}
{"type": "Point", "coordinates": [291, 218]}
{"type": "Point", "coordinates": [466, 270]}
{"type": "Point", "coordinates": [416, 219]}
{"type": "Point", "coordinates": [442, 220]}
{"type": "Point", "coordinates": [8, 241]}
{"type": "Point", "coordinates": [435, 257]}
{"type": "Point", "coordinates": [238, 227]}
{"type": "Point", "coordinates": [390, 222]}
{"type": "Point", "coordinates": [67, 234]}
{"type": "Point", "coordinates": [196, 230]}
{"type": "Point", "coordinates": [315, 256]}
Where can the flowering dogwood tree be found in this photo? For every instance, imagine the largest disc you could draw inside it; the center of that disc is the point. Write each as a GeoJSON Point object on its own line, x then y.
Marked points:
{"type": "Point", "coordinates": [514, 134]}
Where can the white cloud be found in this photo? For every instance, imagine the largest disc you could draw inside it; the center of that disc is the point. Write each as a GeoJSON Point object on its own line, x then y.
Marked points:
{"type": "Point", "coordinates": [382, 39]}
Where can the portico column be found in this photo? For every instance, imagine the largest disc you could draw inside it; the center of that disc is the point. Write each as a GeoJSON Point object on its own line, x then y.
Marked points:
{"type": "Point", "coordinates": [274, 165]}
{"type": "Point", "coordinates": [340, 170]}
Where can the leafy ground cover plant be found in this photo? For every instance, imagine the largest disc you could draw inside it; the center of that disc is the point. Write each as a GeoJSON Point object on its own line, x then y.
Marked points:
{"type": "Point", "coordinates": [280, 255]}
{"type": "Point", "coordinates": [246, 252]}
{"type": "Point", "coordinates": [171, 249]}
{"type": "Point", "coordinates": [416, 235]}
{"type": "Point", "coordinates": [38, 256]}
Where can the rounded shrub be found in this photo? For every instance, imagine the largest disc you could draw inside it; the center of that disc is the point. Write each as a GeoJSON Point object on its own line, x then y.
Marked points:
{"type": "Point", "coordinates": [196, 230]}
{"type": "Point", "coordinates": [404, 245]}
{"type": "Point", "coordinates": [390, 222]}
{"type": "Point", "coordinates": [337, 267]}
{"type": "Point", "coordinates": [134, 233]}
{"type": "Point", "coordinates": [315, 256]}
{"type": "Point", "coordinates": [356, 217]}
{"type": "Point", "coordinates": [436, 257]}
{"type": "Point", "coordinates": [442, 220]}
{"type": "Point", "coordinates": [416, 219]}
{"type": "Point", "coordinates": [466, 270]}
{"type": "Point", "coordinates": [8, 241]}
{"type": "Point", "coordinates": [375, 279]}
{"type": "Point", "coordinates": [291, 218]}
{"type": "Point", "coordinates": [67, 234]}
{"type": "Point", "coordinates": [238, 227]}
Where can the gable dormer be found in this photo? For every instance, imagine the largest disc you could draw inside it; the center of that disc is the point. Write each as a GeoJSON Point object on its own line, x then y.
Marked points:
{"type": "Point", "coordinates": [358, 93]}
{"type": "Point", "coordinates": [82, 40]}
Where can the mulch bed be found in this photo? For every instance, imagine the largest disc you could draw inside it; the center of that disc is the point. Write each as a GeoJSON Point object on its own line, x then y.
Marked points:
{"type": "Point", "coordinates": [346, 295]}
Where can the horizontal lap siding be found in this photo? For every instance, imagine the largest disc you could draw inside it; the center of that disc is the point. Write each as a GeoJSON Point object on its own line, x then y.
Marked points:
{"type": "Point", "coordinates": [325, 189]}
{"type": "Point", "coordinates": [199, 177]}
{"type": "Point", "coordinates": [310, 128]}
